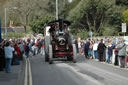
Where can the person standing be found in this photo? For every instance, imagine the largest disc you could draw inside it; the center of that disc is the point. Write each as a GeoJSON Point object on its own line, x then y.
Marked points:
{"type": "Point", "coordinates": [90, 52]}
{"type": "Point", "coordinates": [95, 46]}
{"type": "Point", "coordinates": [8, 56]}
{"type": "Point", "coordinates": [101, 48]}
{"type": "Point", "coordinates": [109, 58]}
{"type": "Point", "coordinates": [17, 50]}
{"type": "Point", "coordinates": [27, 50]}
{"type": "Point", "coordinates": [86, 48]}
{"type": "Point", "coordinates": [76, 43]}
{"type": "Point", "coordinates": [21, 50]}
{"type": "Point", "coordinates": [79, 44]}
{"type": "Point", "coordinates": [2, 57]}
{"type": "Point", "coordinates": [121, 53]}
{"type": "Point", "coordinates": [42, 49]}
{"type": "Point", "coordinates": [116, 57]}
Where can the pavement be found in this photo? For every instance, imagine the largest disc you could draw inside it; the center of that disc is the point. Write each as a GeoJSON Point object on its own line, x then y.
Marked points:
{"type": "Point", "coordinates": [11, 78]}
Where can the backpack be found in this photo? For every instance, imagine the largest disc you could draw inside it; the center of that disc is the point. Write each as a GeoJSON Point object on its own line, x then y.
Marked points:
{"type": "Point", "coordinates": [27, 48]}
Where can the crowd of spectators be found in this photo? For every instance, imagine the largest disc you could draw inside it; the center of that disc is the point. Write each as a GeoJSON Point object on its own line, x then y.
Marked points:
{"type": "Point", "coordinates": [12, 51]}
{"type": "Point", "coordinates": [108, 51]}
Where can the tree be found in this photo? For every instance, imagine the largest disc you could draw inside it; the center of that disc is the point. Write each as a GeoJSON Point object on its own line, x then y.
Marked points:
{"type": "Point", "coordinates": [122, 2]}
{"type": "Point", "coordinates": [38, 25]}
{"type": "Point", "coordinates": [91, 16]}
{"type": "Point", "coordinates": [27, 12]}
{"type": "Point", "coordinates": [125, 16]}
{"type": "Point", "coordinates": [52, 7]}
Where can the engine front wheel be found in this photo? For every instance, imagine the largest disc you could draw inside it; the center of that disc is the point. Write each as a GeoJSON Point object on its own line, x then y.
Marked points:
{"type": "Point", "coordinates": [50, 54]}
{"type": "Point", "coordinates": [46, 42]}
{"type": "Point", "coordinates": [74, 53]}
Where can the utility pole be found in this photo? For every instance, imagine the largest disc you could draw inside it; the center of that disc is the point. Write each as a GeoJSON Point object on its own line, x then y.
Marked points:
{"type": "Point", "coordinates": [0, 30]}
{"type": "Point", "coordinates": [5, 10]}
{"type": "Point", "coordinates": [56, 9]}
{"type": "Point", "coordinates": [5, 14]}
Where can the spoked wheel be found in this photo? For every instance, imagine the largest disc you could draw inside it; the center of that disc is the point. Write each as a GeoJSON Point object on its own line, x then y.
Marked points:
{"type": "Point", "coordinates": [47, 42]}
{"type": "Point", "coordinates": [50, 55]}
{"type": "Point", "coordinates": [74, 53]}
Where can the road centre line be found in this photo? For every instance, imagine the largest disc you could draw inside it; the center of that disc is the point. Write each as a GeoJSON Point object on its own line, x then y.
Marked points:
{"type": "Point", "coordinates": [26, 70]}
{"type": "Point", "coordinates": [30, 73]}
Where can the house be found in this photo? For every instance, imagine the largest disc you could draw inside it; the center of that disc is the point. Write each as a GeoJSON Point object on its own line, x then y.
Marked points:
{"type": "Point", "coordinates": [12, 28]}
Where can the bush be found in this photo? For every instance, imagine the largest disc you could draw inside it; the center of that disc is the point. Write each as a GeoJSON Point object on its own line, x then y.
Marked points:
{"type": "Point", "coordinates": [82, 35]}
{"type": "Point", "coordinates": [37, 26]}
{"type": "Point", "coordinates": [14, 35]}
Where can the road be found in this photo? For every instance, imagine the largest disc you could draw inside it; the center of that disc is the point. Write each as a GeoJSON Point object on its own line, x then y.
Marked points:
{"type": "Point", "coordinates": [84, 72]}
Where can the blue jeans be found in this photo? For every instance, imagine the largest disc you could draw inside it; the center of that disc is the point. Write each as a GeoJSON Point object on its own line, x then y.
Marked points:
{"type": "Point", "coordinates": [108, 59]}
{"type": "Point", "coordinates": [27, 54]}
{"type": "Point", "coordinates": [95, 54]}
{"type": "Point", "coordinates": [8, 65]}
{"type": "Point", "coordinates": [42, 51]}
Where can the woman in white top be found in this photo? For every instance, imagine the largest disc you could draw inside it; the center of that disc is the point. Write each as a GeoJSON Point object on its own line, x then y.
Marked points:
{"type": "Point", "coordinates": [8, 56]}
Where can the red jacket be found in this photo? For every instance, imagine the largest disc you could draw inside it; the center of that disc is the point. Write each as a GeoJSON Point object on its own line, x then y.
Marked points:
{"type": "Point", "coordinates": [17, 50]}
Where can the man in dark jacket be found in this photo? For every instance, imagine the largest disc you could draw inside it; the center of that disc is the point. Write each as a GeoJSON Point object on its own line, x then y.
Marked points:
{"type": "Point", "coordinates": [2, 58]}
{"type": "Point", "coordinates": [86, 48]}
{"type": "Point", "coordinates": [101, 48]}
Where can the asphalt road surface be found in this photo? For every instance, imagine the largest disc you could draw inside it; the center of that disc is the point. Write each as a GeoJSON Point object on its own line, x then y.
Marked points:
{"type": "Point", "coordinates": [84, 72]}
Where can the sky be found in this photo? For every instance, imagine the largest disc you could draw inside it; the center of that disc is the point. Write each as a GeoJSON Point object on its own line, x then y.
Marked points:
{"type": "Point", "coordinates": [70, 0]}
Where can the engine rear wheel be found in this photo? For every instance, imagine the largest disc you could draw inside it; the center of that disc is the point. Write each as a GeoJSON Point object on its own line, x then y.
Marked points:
{"type": "Point", "coordinates": [50, 54]}
{"type": "Point", "coordinates": [74, 53]}
{"type": "Point", "coordinates": [46, 42]}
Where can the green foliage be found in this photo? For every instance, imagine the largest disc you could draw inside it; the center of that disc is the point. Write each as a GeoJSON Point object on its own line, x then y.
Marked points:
{"type": "Point", "coordinates": [122, 2]}
{"type": "Point", "coordinates": [85, 15]}
{"type": "Point", "coordinates": [82, 35]}
{"type": "Point", "coordinates": [70, 6]}
{"type": "Point", "coordinates": [125, 16]}
{"type": "Point", "coordinates": [109, 31]}
{"type": "Point", "coordinates": [90, 16]}
{"type": "Point", "coordinates": [37, 26]}
{"type": "Point", "coordinates": [15, 35]}
{"type": "Point", "coordinates": [115, 16]}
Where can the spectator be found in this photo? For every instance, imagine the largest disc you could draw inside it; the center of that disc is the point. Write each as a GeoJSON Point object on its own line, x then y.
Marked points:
{"type": "Point", "coordinates": [27, 50]}
{"type": "Point", "coordinates": [21, 50]}
{"type": "Point", "coordinates": [86, 48]}
{"type": "Point", "coordinates": [101, 48]}
{"type": "Point", "coordinates": [79, 44]}
{"type": "Point", "coordinates": [8, 56]}
{"type": "Point", "coordinates": [95, 46]}
{"type": "Point", "coordinates": [116, 55]}
{"type": "Point", "coordinates": [121, 53]}
{"type": "Point", "coordinates": [17, 50]}
{"type": "Point", "coordinates": [90, 52]}
{"type": "Point", "coordinates": [76, 43]}
{"type": "Point", "coordinates": [110, 48]}
{"type": "Point", "coordinates": [2, 57]}
{"type": "Point", "coordinates": [42, 49]}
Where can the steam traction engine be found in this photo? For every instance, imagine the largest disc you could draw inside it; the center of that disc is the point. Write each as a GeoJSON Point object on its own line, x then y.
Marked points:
{"type": "Point", "coordinates": [58, 42]}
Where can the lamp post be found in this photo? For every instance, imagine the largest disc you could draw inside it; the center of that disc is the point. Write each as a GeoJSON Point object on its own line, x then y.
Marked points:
{"type": "Point", "coordinates": [0, 31]}
{"type": "Point", "coordinates": [5, 23]}
{"type": "Point", "coordinates": [5, 11]}
{"type": "Point", "coordinates": [56, 9]}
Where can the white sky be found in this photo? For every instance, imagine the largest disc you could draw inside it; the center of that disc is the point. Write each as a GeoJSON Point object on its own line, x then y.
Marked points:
{"type": "Point", "coordinates": [70, 0]}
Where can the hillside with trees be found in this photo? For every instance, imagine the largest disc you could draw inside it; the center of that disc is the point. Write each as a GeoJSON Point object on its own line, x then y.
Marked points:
{"type": "Point", "coordinates": [102, 17]}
